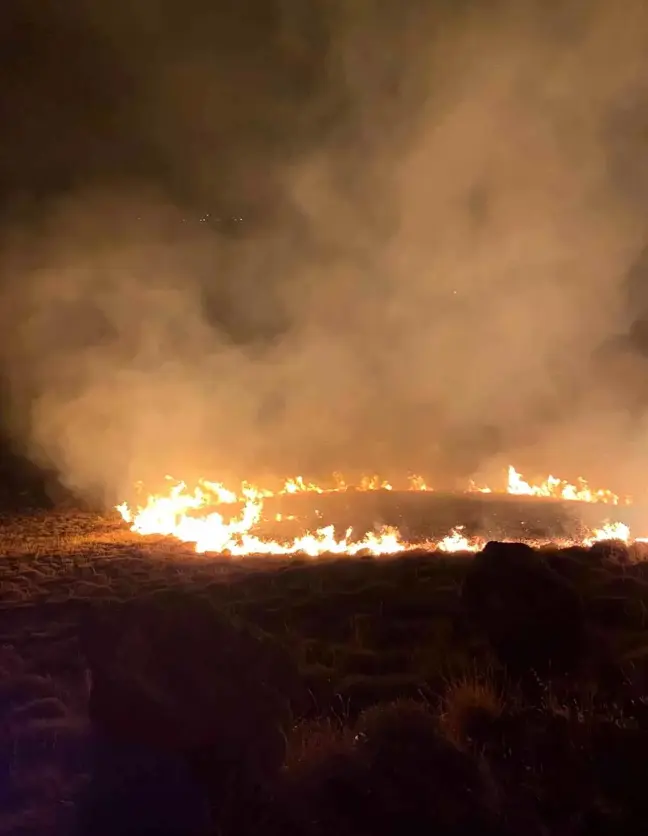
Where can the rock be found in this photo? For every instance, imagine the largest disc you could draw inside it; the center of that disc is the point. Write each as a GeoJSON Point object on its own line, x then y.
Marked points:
{"type": "Point", "coordinates": [532, 616]}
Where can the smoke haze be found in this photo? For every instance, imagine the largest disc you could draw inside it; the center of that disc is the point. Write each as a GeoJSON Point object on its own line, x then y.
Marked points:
{"type": "Point", "coordinates": [441, 210]}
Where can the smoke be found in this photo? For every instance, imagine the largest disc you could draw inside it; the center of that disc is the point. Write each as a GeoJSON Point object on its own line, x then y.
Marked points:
{"type": "Point", "coordinates": [437, 281]}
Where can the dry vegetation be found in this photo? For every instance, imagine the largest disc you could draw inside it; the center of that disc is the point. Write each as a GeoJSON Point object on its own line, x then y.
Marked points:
{"type": "Point", "coordinates": [358, 696]}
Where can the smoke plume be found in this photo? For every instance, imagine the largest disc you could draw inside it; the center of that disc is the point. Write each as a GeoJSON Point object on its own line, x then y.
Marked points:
{"type": "Point", "coordinates": [440, 211]}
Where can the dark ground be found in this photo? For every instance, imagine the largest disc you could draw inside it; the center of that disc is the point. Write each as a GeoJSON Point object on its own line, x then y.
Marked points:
{"type": "Point", "coordinates": [147, 690]}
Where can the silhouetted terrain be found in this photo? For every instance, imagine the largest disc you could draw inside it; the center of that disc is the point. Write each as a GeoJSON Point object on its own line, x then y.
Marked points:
{"type": "Point", "coordinates": [149, 690]}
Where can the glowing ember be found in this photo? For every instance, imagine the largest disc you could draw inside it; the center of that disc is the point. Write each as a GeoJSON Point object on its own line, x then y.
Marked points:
{"type": "Point", "coordinates": [198, 517]}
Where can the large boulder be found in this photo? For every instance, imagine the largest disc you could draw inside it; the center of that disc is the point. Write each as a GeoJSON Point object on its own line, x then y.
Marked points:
{"type": "Point", "coordinates": [533, 617]}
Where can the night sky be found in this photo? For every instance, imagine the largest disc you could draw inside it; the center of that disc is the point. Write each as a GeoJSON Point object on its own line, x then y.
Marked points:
{"type": "Point", "coordinates": [147, 91]}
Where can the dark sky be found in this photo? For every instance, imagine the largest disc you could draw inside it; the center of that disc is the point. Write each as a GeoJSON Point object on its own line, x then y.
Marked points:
{"type": "Point", "coordinates": [204, 98]}
{"type": "Point", "coordinates": [151, 90]}
{"type": "Point", "coordinates": [66, 101]}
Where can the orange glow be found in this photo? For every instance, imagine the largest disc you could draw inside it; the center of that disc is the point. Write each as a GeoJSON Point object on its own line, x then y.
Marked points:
{"type": "Point", "coordinates": [555, 488]}
{"type": "Point", "coordinates": [200, 517]}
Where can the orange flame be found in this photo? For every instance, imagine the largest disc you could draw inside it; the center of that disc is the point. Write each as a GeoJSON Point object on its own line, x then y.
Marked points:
{"type": "Point", "coordinates": [191, 517]}
{"type": "Point", "coordinates": [556, 488]}
{"type": "Point", "coordinates": [175, 515]}
{"type": "Point", "coordinates": [610, 531]}
{"type": "Point", "coordinates": [456, 541]}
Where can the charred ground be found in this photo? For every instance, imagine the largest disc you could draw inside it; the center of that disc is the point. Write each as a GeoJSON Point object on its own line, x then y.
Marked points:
{"type": "Point", "coordinates": [143, 685]}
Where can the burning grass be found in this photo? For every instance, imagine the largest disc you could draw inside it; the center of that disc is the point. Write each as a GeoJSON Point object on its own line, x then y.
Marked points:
{"type": "Point", "coordinates": [215, 518]}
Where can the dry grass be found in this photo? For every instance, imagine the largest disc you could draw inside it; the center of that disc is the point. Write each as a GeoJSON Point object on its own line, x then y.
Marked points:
{"type": "Point", "coordinates": [58, 557]}
{"type": "Point", "coordinates": [316, 741]}
{"type": "Point", "coordinates": [365, 633]}
{"type": "Point", "coordinates": [472, 699]}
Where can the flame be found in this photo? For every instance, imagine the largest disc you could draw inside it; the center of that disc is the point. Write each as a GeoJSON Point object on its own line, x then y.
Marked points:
{"type": "Point", "coordinates": [297, 485]}
{"type": "Point", "coordinates": [196, 516]}
{"type": "Point", "coordinates": [557, 488]}
{"type": "Point", "coordinates": [175, 515]}
{"type": "Point", "coordinates": [551, 487]}
{"type": "Point", "coordinates": [610, 531]}
{"type": "Point", "coordinates": [418, 483]}
{"type": "Point", "coordinates": [456, 541]}
{"type": "Point", "coordinates": [374, 483]}
{"type": "Point", "coordinates": [474, 488]}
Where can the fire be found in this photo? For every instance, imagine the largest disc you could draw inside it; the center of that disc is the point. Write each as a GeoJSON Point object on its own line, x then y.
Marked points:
{"type": "Point", "coordinates": [552, 487]}
{"type": "Point", "coordinates": [200, 517]}
{"type": "Point", "coordinates": [297, 485]}
{"type": "Point", "coordinates": [556, 488]}
{"type": "Point", "coordinates": [418, 483]}
{"type": "Point", "coordinates": [474, 488]}
{"type": "Point", "coordinates": [456, 541]}
{"type": "Point", "coordinates": [186, 515]}
{"type": "Point", "coordinates": [610, 531]}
